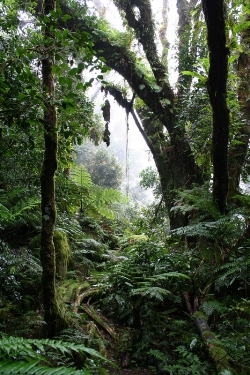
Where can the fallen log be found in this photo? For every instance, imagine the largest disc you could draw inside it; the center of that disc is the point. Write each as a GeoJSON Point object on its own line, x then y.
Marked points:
{"type": "Point", "coordinates": [93, 314]}
{"type": "Point", "coordinates": [217, 354]}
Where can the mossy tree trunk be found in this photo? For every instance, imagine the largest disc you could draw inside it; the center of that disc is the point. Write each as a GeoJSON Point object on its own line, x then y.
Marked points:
{"type": "Point", "coordinates": [217, 353]}
{"type": "Point", "coordinates": [238, 151]}
{"type": "Point", "coordinates": [214, 11]}
{"type": "Point", "coordinates": [52, 315]}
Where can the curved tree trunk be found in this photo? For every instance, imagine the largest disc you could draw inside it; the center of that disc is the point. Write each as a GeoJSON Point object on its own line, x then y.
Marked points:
{"type": "Point", "coordinates": [52, 316]}
{"type": "Point", "coordinates": [176, 163]}
{"type": "Point", "coordinates": [217, 81]}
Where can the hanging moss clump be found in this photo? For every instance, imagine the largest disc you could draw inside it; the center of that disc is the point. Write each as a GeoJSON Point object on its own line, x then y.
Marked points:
{"type": "Point", "coordinates": [62, 250]}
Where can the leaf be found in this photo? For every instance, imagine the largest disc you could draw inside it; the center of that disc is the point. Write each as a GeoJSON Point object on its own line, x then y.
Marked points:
{"type": "Point", "coordinates": [242, 26]}
{"type": "Point", "coordinates": [80, 176]}
{"type": "Point", "coordinates": [233, 58]}
{"type": "Point", "coordinates": [73, 71]}
{"type": "Point", "coordinates": [66, 17]}
{"type": "Point", "coordinates": [194, 74]}
{"type": "Point", "coordinates": [153, 292]}
{"type": "Point", "coordinates": [33, 368]}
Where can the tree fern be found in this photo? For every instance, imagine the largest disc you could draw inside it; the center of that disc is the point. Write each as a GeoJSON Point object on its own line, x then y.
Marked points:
{"type": "Point", "coordinates": [19, 346]}
{"type": "Point", "coordinates": [226, 230]}
{"type": "Point", "coordinates": [237, 268]}
{"type": "Point", "coordinates": [150, 291]}
{"type": "Point", "coordinates": [94, 199]}
{"type": "Point", "coordinates": [80, 176]}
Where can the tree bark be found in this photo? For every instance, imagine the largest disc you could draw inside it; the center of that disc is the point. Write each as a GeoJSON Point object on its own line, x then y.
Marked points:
{"type": "Point", "coordinates": [238, 151]}
{"type": "Point", "coordinates": [214, 11]}
{"type": "Point", "coordinates": [52, 316]}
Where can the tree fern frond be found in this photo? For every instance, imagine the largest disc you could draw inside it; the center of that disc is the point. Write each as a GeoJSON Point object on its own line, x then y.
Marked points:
{"type": "Point", "coordinates": [80, 176]}
{"type": "Point", "coordinates": [234, 269]}
{"type": "Point", "coordinates": [208, 307]}
{"type": "Point", "coordinates": [152, 291]}
{"type": "Point", "coordinates": [166, 275]}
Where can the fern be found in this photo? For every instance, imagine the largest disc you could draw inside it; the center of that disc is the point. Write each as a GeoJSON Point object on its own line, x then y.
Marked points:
{"type": "Point", "coordinates": [103, 199]}
{"type": "Point", "coordinates": [151, 291]}
{"type": "Point", "coordinates": [94, 199]}
{"type": "Point", "coordinates": [234, 269]}
{"type": "Point", "coordinates": [29, 353]}
{"type": "Point", "coordinates": [34, 368]}
{"type": "Point", "coordinates": [209, 307]}
{"type": "Point", "coordinates": [15, 346]}
{"type": "Point", "coordinates": [80, 176]}
{"type": "Point", "coordinates": [225, 230]}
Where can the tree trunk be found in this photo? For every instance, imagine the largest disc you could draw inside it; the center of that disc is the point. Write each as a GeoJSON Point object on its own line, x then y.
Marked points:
{"type": "Point", "coordinates": [217, 354]}
{"type": "Point", "coordinates": [52, 316]}
{"type": "Point", "coordinates": [217, 80]}
{"type": "Point", "coordinates": [238, 152]}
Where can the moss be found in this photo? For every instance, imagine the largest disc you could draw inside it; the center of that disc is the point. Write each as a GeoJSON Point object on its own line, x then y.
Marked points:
{"type": "Point", "coordinates": [70, 289]}
{"type": "Point", "coordinates": [199, 315]}
{"type": "Point", "coordinates": [220, 357]}
{"type": "Point", "coordinates": [62, 250]}
{"type": "Point", "coordinates": [63, 253]}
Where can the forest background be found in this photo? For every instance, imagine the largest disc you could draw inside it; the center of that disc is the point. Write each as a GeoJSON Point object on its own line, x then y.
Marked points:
{"type": "Point", "coordinates": [92, 281]}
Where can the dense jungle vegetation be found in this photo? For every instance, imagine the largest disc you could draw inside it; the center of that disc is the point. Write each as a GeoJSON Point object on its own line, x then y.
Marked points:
{"type": "Point", "coordinates": [92, 281]}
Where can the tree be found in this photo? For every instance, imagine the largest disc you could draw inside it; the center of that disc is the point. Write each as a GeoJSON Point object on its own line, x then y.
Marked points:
{"type": "Point", "coordinates": [214, 12]}
{"type": "Point", "coordinates": [102, 166]}
{"type": "Point", "coordinates": [52, 315]}
{"type": "Point", "coordinates": [160, 108]}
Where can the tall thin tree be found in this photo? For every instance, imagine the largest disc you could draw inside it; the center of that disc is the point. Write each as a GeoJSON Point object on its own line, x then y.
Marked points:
{"type": "Point", "coordinates": [52, 314]}
{"type": "Point", "coordinates": [214, 11]}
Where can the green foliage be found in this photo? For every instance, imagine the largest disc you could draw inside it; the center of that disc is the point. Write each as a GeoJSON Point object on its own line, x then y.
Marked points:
{"type": "Point", "coordinates": [30, 353]}
{"type": "Point", "coordinates": [81, 177]}
{"type": "Point", "coordinates": [235, 270]}
{"type": "Point", "coordinates": [20, 275]}
{"type": "Point", "coordinates": [33, 367]}
{"type": "Point", "coordinates": [15, 204]}
{"type": "Point", "coordinates": [102, 166]}
{"type": "Point", "coordinates": [211, 306]}
{"type": "Point", "coordinates": [150, 180]}
{"type": "Point", "coordinates": [105, 170]}
{"type": "Point", "coordinates": [94, 199]}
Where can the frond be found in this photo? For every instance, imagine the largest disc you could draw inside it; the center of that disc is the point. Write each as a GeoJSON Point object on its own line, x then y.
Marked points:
{"type": "Point", "coordinates": [208, 307]}
{"type": "Point", "coordinates": [33, 368]}
{"type": "Point", "coordinates": [80, 176]}
{"type": "Point", "coordinates": [24, 356]}
{"type": "Point", "coordinates": [151, 291]}
{"type": "Point", "coordinates": [16, 346]}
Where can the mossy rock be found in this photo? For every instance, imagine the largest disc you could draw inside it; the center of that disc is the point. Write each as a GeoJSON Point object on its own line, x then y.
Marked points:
{"type": "Point", "coordinates": [62, 250]}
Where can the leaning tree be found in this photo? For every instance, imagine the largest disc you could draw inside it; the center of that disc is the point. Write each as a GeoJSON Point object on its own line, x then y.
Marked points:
{"type": "Point", "coordinates": [161, 113]}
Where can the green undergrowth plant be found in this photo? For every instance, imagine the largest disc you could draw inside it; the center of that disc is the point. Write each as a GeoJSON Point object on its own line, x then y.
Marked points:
{"type": "Point", "coordinates": [48, 357]}
{"type": "Point", "coordinates": [20, 277]}
{"type": "Point", "coordinates": [142, 293]}
{"type": "Point", "coordinates": [95, 200]}
{"type": "Point", "coordinates": [205, 221]}
{"type": "Point", "coordinates": [15, 203]}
